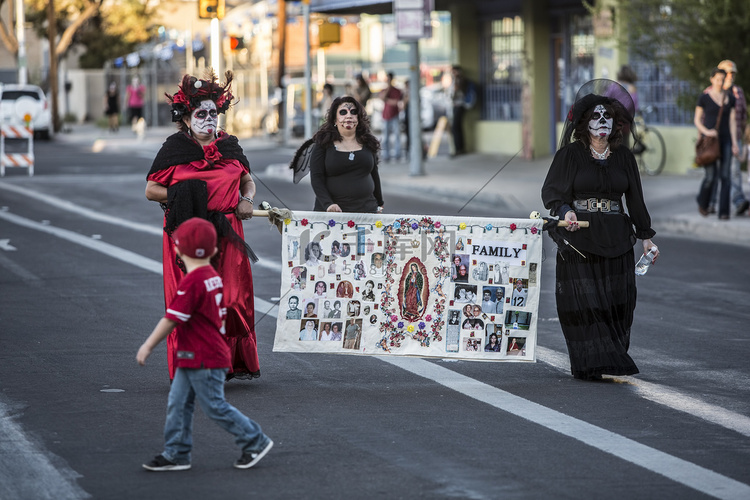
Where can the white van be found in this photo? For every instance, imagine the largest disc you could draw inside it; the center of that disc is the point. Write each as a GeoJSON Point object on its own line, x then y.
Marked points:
{"type": "Point", "coordinates": [22, 103]}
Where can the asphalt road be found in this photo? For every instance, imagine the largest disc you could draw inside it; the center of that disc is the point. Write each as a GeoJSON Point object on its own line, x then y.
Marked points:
{"type": "Point", "coordinates": [80, 261]}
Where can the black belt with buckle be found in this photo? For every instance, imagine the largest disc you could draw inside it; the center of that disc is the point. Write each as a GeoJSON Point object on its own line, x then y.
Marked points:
{"type": "Point", "coordinates": [597, 205]}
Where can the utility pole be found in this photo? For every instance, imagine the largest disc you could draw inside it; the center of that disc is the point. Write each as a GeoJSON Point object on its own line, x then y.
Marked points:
{"type": "Point", "coordinates": [52, 34]}
{"type": "Point", "coordinates": [308, 82]}
{"type": "Point", "coordinates": [282, 69]}
{"type": "Point", "coordinates": [21, 37]}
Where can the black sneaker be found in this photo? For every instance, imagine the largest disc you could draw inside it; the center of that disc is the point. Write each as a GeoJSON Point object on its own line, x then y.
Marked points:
{"type": "Point", "coordinates": [159, 463]}
{"type": "Point", "coordinates": [247, 460]}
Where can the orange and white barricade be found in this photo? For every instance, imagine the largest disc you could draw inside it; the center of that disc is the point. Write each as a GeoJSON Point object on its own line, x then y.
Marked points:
{"type": "Point", "coordinates": [18, 156]}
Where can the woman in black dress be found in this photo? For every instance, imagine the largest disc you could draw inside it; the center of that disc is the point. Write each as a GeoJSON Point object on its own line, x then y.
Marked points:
{"type": "Point", "coordinates": [344, 161]}
{"type": "Point", "coordinates": [590, 174]}
{"type": "Point", "coordinates": [706, 116]}
{"type": "Point", "coordinates": [112, 103]}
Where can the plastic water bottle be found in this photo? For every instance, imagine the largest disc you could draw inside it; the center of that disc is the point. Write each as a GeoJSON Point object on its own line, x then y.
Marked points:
{"type": "Point", "coordinates": [645, 261]}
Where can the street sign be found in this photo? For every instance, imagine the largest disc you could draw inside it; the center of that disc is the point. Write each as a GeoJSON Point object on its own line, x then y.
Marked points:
{"type": "Point", "coordinates": [413, 18]}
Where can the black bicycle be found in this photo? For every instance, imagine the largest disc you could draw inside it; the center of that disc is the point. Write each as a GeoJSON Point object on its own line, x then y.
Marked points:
{"type": "Point", "coordinates": [649, 148]}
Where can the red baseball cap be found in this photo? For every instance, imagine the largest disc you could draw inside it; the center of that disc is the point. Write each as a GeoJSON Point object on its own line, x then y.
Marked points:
{"type": "Point", "coordinates": [195, 238]}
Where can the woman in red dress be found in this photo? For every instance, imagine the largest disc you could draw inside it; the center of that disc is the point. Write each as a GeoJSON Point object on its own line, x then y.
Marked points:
{"type": "Point", "coordinates": [202, 172]}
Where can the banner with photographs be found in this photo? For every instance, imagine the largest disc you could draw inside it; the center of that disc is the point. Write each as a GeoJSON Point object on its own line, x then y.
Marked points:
{"type": "Point", "coordinates": [375, 284]}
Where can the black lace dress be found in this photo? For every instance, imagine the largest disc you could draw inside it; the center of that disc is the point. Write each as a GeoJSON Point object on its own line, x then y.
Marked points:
{"type": "Point", "coordinates": [596, 290]}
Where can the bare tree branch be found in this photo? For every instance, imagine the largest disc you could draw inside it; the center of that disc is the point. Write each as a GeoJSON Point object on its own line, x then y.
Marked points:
{"type": "Point", "coordinates": [67, 37]}
{"type": "Point", "coordinates": [8, 36]}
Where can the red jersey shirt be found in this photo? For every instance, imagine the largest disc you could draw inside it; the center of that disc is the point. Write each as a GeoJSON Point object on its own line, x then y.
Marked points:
{"type": "Point", "coordinates": [198, 308]}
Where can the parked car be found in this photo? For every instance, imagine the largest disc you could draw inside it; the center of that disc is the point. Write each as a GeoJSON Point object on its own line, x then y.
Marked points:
{"type": "Point", "coordinates": [17, 102]}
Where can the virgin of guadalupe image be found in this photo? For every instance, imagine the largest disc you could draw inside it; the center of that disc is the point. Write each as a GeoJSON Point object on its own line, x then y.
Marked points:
{"type": "Point", "coordinates": [413, 291]}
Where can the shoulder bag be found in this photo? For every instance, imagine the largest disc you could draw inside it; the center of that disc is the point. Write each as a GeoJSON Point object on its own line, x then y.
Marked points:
{"type": "Point", "coordinates": [707, 148]}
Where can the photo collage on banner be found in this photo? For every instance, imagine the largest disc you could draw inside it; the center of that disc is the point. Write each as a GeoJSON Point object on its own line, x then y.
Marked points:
{"type": "Point", "coordinates": [410, 285]}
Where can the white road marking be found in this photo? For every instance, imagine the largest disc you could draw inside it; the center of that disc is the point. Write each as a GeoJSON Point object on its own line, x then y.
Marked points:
{"type": "Point", "coordinates": [665, 396]}
{"type": "Point", "coordinates": [20, 458]}
{"type": "Point", "coordinates": [5, 245]}
{"type": "Point", "coordinates": [109, 219]}
{"type": "Point", "coordinates": [691, 475]}
{"type": "Point", "coordinates": [676, 469]}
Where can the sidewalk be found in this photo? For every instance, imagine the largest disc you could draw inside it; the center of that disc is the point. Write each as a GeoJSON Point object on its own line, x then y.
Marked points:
{"type": "Point", "coordinates": [513, 192]}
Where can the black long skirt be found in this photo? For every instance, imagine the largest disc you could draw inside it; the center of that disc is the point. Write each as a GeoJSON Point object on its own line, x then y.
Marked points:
{"type": "Point", "coordinates": [596, 298]}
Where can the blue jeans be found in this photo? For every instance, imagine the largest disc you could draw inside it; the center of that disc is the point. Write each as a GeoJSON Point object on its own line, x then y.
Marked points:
{"type": "Point", "coordinates": [737, 195]}
{"type": "Point", "coordinates": [718, 172]}
{"type": "Point", "coordinates": [392, 127]}
{"type": "Point", "coordinates": [208, 386]}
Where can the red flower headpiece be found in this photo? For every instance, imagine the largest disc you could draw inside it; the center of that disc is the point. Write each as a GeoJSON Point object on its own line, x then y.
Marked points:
{"type": "Point", "coordinates": [193, 91]}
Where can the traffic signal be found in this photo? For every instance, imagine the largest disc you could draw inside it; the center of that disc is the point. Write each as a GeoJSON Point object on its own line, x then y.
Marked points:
{"type": "Point", "coordinates": [209, 9]}
{"type": "Point", "coordinates": [236, 43]}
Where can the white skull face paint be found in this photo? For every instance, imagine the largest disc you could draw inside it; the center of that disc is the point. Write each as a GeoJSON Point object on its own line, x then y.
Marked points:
{"type": "Point", "coordinates": [204, 118]}
{"type": "Point", "coordinates": [346, 116]}
{"type": "Point", "coordinates": [601, 122]}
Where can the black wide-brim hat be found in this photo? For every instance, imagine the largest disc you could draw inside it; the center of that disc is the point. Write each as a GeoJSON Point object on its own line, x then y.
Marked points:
{"type": "Point", "coordinates": [592, 93]}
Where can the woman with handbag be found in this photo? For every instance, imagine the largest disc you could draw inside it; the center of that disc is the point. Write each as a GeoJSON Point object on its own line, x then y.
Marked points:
{"type": "Point", "coordinates": [715, 118]}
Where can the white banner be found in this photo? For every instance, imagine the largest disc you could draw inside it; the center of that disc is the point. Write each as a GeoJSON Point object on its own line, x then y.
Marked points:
{"type": "Point", "coordinates": [375, 284]}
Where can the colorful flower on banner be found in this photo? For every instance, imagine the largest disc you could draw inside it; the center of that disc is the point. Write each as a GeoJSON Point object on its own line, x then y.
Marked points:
{"type": "Point", "coordinates": [379, 224]}
{"type": "Point", "coordinates": [437, 225]}
{"type": "Point", "coordinates": [512, 226]}
{"type": "Point", "coordinates": [462, 226]}
{"type": "Point", "coordinates": [428, 318]}
{"type": "Point", "coordinates": [304, 222]}
{"type": "Point", "coordinates": [396, 225]}
{"type": "Point", "coordinates": [534, 230]}
{"type": "Point", "coordinates": [331, 223]}
{"type": "Point", "coordinates": [409, 328]}
{"type": "Point", "coordinates": [287, 221]}
{"type": "Point", "coordinates": [488, 227]}
{"type": "Point", "coordinates": [414, 226]}
{"type": "Point", "coordinates": [351, 223]}
{"type": "Point", "coordinates": [400, 324]}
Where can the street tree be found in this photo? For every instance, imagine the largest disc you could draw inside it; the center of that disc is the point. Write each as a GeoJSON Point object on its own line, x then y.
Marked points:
{"type": "Point", "coordinates": [106, 28]}
{"type": "Point", "coordinates": [691, 36]}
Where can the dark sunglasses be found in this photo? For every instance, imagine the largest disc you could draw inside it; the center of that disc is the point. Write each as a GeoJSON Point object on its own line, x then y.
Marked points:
{"type": "Point", "coordinates": [202, 113]}
{"type": "Point", "coordinates": [344, 111]}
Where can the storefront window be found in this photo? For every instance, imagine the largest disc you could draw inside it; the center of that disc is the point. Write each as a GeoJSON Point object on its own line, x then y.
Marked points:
{"type": "Point", "coordinates": [501, 69]}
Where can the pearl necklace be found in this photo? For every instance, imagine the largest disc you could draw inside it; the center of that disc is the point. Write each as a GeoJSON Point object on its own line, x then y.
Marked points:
{"type": "Point", "coordinates": [601, 156]}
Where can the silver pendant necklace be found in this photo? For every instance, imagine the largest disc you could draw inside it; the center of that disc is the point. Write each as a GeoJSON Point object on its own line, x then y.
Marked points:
{"type": "Point", "coordinates": [601, 156]}
{"type": "Point", "coordinates": [351, 155]}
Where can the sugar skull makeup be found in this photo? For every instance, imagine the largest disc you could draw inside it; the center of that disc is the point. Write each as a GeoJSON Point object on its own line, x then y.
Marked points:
{"type": "Point", "coordinates": [203, 120]}
{"type": "Point", "coordinates": [601, 122]}
{"type": "Point", "coordinates": [346, 116]}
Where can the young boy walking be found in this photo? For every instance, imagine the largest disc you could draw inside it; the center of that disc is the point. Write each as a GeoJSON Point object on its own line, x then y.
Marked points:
{"type": "Point", "coordinates": [203, 357]}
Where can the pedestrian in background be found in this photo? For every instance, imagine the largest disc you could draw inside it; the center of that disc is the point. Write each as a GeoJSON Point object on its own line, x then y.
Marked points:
{"type": "Point", "coordinates": [627, 78]}
{"type": "Point", "coordinates": [710, 105]}
{"type": "Point", "coordinates": [362, 90]}
{"type": "Point", "coordinates": [736, 195]}
{"type": "Point", "coordinates": [200, 171]}
{"type": "Point", "coordinates": [112, 107]}
{"type": "Point", "coordinates": [325, 102]}
{"type": "Point", "coordinates": [457, 92]}
{"type": "Point", "coordinates": [590, 174]}
{"type": "Point", "coordinates": [197, 315]}
{"type": "Point", "coordinates": [392, 104]}
{"type": "Point", "coordinates": [136, 95]}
